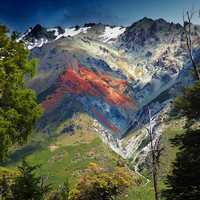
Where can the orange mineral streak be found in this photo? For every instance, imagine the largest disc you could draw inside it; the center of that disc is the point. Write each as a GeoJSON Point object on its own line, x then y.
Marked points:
{"type": "Point", "coordinates": [81, 80]}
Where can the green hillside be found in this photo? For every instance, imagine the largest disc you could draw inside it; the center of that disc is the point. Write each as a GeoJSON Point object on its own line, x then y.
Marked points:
{"type": "Point", "coordinates": [66, 155]}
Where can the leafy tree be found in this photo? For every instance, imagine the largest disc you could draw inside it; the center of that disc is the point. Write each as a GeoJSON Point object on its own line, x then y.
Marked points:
{"type": "Point", "coordinates": [19, 110]}
{"type": "Point", "coordinates": [184, 182]}
{"type": "Point", "coordinates": [28, 186]}
{"type": "Point", "coordinates": [100, 184]}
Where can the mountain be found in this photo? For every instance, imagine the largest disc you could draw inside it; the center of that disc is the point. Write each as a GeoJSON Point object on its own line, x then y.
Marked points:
{"type": "Point", "coordinates": [112, 74]}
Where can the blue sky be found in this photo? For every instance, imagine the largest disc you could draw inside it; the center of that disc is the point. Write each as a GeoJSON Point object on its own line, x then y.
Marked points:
{"type": "Point", "coordinates": [21, 14]}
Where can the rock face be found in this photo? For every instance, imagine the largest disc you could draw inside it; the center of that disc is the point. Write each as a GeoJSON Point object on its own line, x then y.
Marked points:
{"type": "Point", "coordinates": [95, 90]}
{"type": "Point", "coordinates": [148, 31]}
{"type": "Point", "coordinates": [111, 73]}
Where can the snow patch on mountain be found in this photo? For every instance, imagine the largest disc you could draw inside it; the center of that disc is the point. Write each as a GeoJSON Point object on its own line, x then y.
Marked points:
{"type": "Point", "coordinates": [56, 32]}
{"type": "Point", "coordinates": [72, 32]}
{"type": "Point", "coordinates": [36, 43]}
{"type": "Point", "coordinates": [24, 35]}
{"type": "Point", "coordinates": [111, 33]}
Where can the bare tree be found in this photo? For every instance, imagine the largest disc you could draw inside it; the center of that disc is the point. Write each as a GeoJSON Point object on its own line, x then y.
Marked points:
{"type": "Point", "coordinates": [188, 36]}
{"type": "Point", "coordinates": [155, 153]}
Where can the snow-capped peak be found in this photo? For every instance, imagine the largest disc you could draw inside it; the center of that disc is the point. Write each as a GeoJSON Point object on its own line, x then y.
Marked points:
{"type": "Point", "coordinates": [38, 36]}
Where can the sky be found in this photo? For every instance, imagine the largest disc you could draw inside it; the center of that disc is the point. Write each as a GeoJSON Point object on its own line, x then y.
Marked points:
{"type": "Point", "coordinates": [19, 15]}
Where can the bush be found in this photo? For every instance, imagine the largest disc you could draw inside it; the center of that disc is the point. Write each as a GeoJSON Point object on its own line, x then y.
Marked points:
{"type": "Point", "coordinates": [100, 184]}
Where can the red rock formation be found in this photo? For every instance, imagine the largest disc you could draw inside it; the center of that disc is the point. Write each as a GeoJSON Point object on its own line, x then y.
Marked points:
{"type": "Point", "coordinates": [82, 80]}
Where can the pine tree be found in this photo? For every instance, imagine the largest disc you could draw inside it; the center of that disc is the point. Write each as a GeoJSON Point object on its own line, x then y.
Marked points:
{"type": "Point", "coordinates": [28, 186]}
{"type": "Point", "coordinates": [188, 104]}
{"type": "Point", "coordinates": [184, 182]}
{"type": "Point", "coordinates": [19, 110]}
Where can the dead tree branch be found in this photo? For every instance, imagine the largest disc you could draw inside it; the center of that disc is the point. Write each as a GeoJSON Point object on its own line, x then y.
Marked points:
{"type": "Point", "coordinates": [188, 37]}
{"type": "Point", "coordinates": [155, 154]}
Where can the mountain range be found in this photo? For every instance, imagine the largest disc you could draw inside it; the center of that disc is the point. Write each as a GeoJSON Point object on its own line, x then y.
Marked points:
{"type": "Point", "coordinates": [113, 74]}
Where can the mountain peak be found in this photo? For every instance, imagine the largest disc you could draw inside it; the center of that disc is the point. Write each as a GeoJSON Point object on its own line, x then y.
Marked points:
{"type": "Point", "coordinates": [39, 32]}
{"type": "Point", "coordinates": [37, 29]}
{"type": "Point", "coordinates": [146, 19]}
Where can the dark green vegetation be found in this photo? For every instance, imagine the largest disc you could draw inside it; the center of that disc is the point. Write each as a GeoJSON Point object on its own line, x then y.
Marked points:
{"type": "Point", "coordinates": [188, 104]}
{"type": "Point", "coordinates": [184, 181]}
{"type": "Point", "coordinates": [19, 110]}
{"type": "Point", "coordinates": [25, 185]}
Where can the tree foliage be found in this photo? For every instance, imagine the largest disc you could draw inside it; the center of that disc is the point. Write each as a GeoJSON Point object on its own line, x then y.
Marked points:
{"type": "Point", "coordinates": [184, 182]}
{"type": "Point", "coordinates": [189, 103]}
{"type": "Point", "coordinates": [19, 110]}
{"type": "Point", "coordinates": [28, 186]}
{"type": "Point", "coordinates": [100, 184]}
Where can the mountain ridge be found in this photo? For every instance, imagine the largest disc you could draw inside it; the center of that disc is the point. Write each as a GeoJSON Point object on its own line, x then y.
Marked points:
{"type": "Point", "coordinates": [51, 33]}
{"type": "Point", "coordinates": [99, 69]}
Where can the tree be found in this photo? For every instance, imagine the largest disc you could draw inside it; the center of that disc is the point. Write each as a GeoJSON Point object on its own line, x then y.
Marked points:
{"type": "Point", "coordinates": [184, 182]}
{"type": "Point", "coordinates": [100, 184]}
{"type": "Point", "coordinates": [155, 152]}
{"type": "Point", "coordinates": [188, 104]}
{"type": "Point", "coordinates": [28, 186]}
{"type": "Point", "coordinates": [19, 110]}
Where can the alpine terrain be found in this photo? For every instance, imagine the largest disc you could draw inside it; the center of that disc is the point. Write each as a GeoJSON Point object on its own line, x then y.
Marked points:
{"type": "Point", "coordinates": [112, 74]}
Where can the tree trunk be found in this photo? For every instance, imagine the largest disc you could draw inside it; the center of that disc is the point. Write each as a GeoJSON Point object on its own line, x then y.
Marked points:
{"type": "Point", "coordinates": [153, 156]}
